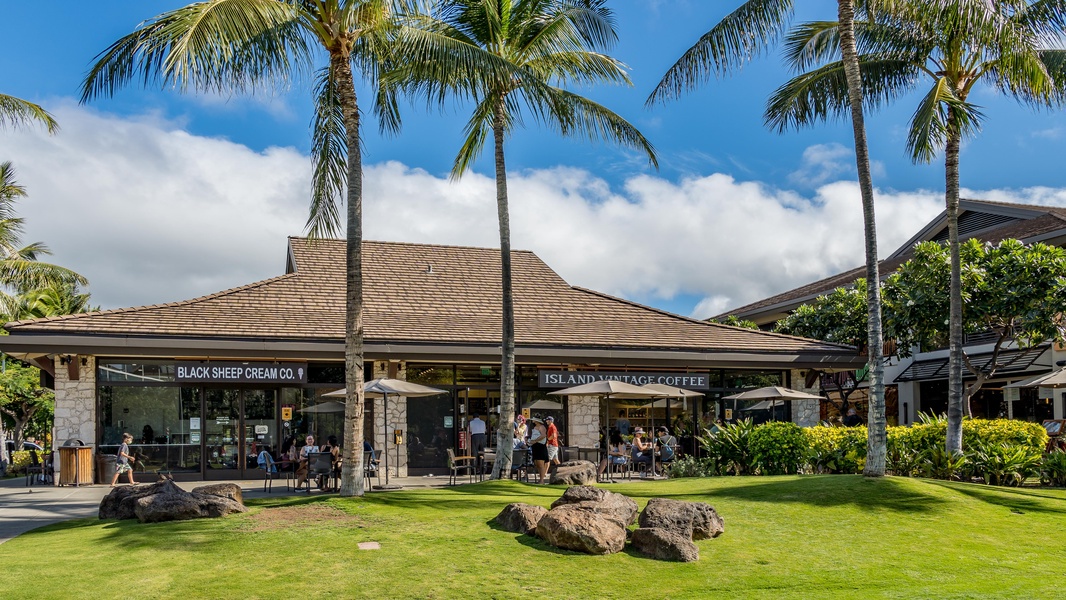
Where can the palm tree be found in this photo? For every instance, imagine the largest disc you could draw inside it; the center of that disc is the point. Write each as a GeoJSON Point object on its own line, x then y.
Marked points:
{"type": "Point", "coordinates": [16, 112]}
{"type": "Point", "coordinates": [508, 55]}
{"type": "Point", "coordinates": [742, 34]}
{"type": "Point", "coordinates": [1013, 45]}
{"type": "Point", "coordinates": [234, 46]}
{"type": "Point", "coordinates": [20, 269]}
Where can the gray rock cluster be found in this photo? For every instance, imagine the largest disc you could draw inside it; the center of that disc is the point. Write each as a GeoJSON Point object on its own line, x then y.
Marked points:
{"type": "Point", "coordinates": [165, 501]}
{"type": "Point", "coordinates": [595, 521]}
{"type": "Point", "coordinates": [573, 472]}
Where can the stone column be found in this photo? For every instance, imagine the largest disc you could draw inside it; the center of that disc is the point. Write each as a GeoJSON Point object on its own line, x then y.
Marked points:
{"type": "Point", "coordinates": [75, 412]}
{"type": "Point", "coordinates": [385, 423]}
{"type": "Point", "coordinates": [805, 413]}
{"type": "Point", "coordinates": [583, 420]}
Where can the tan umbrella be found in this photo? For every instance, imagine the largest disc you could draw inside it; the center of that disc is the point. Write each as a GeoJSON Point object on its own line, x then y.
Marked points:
{"type": "Point", "coordinates": [381, 388]}
{"type": "Point", "coordinates": [1054, 379]}
{"type": "Point", "coordinates": [325, 407]}
{"type": "Point", "coordinates": [773, 392]}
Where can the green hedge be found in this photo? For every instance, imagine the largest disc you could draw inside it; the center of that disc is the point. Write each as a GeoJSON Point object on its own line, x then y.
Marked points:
{"type": "Point", "coordinates": [778, 448]}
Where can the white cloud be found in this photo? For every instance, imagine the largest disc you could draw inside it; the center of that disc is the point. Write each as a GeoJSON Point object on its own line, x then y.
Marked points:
{"type": "Point", "coordinates": [823, 163]}
{"type": "Point", "coordinates": [151, 214]}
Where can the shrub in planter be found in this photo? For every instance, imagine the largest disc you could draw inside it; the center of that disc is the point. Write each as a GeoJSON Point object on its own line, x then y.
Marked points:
{"type": "Point", "coordinates": [778, 448]}
{"type": "Point", "coordinates": [1053, 468]}
{"type": "Point", "coordinates": [836, 449]}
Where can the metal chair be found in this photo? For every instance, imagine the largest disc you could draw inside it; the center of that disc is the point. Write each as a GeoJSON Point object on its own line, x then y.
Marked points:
{"type": "Point", "coordinates": [319, 464]}
{"type": "Point", "coordinates": [35, 471]}
{"type": "Point", "coordinates": [520, 462]}
{"type": "Point", "coordinates": [370, 469]}
{"type": "Point", "coordinates": [460, 463]}
{"type": "Point", "coordinates": [270, 471]}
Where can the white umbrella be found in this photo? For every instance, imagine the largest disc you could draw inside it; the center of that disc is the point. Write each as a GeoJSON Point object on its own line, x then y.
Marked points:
{"type": "Point", "coordinates": [607, 389]}
{"type": "Point", "coordinates": [773, 392]}
{"type": "Point", "coordinates": [325, 407]}
{"type": "Point", "coordinates": [543, 404]}
{"type": "Point", "coordinates": [381, 388]}
{"type": "Point", "coordinates": [1054, 379]}
{"type": "Point", "coordinates": [764, 405]}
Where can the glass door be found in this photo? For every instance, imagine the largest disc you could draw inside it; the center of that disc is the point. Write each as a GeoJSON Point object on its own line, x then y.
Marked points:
{"type": "Point", "coordinates": [260, 428]}
{"type": "Point", "coordinates": [222, 451]}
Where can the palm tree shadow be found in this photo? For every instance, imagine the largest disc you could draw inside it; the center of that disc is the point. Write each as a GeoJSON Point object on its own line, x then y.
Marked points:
{"type": "Point", "coordinates": [1017, 500]}
{"type": "Point", "coordinates": [883, 493]}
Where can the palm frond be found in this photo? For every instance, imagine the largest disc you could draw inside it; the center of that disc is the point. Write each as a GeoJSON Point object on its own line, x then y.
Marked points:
{"type": "Point", "coordinates": [477, 130]}
{"type": "Point", "coordinates": [736, 39]}
{"type": "Point", "coordinates": [213, 46]}
{"type": "Point", "coordinates": [579, 68]}
{"type": "Point", "coordinates": [329, 157]}
{"type": "Point", "coordinates": [576, 115]}
{"type": "Point", "coordinates": [930, 123]}
{"type": "Point", "coordinates": [15, 112]}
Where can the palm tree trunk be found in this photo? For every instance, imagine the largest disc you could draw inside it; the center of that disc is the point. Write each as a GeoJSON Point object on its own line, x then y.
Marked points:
{"type": "Point", "coordinates": [352, 465]}
{"type": "Point", "coordinates": [955, 391]}
{"type": "Point", "coordinates": [876, 441]}
{"type": "Point", "coordinates": [505, 430]}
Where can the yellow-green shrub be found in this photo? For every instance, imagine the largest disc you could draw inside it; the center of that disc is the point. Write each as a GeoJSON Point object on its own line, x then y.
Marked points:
{"type": "Point", "coordinates": [836, 449]}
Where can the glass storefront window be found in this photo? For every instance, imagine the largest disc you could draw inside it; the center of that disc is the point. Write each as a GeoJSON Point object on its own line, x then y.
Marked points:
{"type": "Point", "coordinates": [135, 372]}
{"type": "Point", "coordinates": [431, 375]}
{"type": "Point", "coordinates": [164, 422]}
{"type": "Point", "coordinates": [741, 380]}
{"type": "Point", "coordinates": [476, 375]}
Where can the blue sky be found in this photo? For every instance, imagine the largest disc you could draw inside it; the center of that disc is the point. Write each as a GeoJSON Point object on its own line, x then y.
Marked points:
{"type": "Point", "coordinates": [692, 238]}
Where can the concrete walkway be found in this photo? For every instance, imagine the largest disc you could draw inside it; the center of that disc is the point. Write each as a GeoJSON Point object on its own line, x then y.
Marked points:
{"type": "Point", "coordinates": [25, 508]}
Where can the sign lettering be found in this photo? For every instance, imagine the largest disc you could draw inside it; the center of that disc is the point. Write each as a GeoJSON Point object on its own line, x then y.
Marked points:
{"type": "Point", "coordinates": [562, 379]}
{"type": "Point", "coordinates": [240, 372]}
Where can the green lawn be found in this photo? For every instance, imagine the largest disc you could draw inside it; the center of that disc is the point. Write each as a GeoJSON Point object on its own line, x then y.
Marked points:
{"type": "Point", "coordinates": [786, 537]}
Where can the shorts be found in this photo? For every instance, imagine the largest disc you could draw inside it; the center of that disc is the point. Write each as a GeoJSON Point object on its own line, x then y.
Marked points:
{"type": "Point", "coordinates": [618, 460]}
{"type": "Point", "coordinates": [540, 452]}
{"type": "Point", "coordinates": [553, 452]}
{"type": "Point", "coordinates": [122, 467]}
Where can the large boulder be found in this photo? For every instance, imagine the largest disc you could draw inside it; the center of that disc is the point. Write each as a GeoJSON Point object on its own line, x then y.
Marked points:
{"type": "Point", "coordinates": [225, 490]}
{"type": "Point", "coordinates": [575, 528]}
{"type": "Point", "coordinates": [165, 501]}
{"type": "Point", "coordinates": [521, 518]}
{"type": "Point", "coordinates": [664, 544]}
{"type": "Point", "coordinates": [598, 500]}
{"type": "Point", "coordinates": [573, 472]}
{"type": "Point", "coordinates": [692, 520]}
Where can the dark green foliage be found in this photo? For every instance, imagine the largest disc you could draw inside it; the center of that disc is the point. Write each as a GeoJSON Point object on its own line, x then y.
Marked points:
{"type": "Point", "coordinates": [729, 447]}
{"type": "Point", "coordinates": [1053, 468]}
{"type": "Point", "coordinates": [939, 463]}
{"type": "Point", "coordinates": [778, 448]}
{"type": "Point", "coordinates": [690, 466]}
{"type": "Point", "coordinates": [1004, 464]}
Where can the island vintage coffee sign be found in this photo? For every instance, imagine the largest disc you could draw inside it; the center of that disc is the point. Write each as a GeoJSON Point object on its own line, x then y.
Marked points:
{"type": "Point", "coordinates": [241, 372]}
{"type": "Point", "coordinates": [562, 379]}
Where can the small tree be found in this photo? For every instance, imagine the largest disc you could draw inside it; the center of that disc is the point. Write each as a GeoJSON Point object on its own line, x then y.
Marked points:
{"type": "Point", "coordinates": [1010, 289]}
{"type": "Point", "coordinates": [22, 398]}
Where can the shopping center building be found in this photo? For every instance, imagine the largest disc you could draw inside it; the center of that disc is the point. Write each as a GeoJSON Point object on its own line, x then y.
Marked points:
{"type": "Point", "coordinates": [204, 384]}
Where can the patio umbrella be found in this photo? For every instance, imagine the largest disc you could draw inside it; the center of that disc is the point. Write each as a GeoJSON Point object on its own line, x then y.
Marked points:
{"type": "Point", "coordinates": [543, 404]}
{"type": "Point", "coordinates": [610, 388]}
{"type": "Point", "coordinates": [325, 407]}
{"type": "Point", "coordinates": [764, 405]}
{"type": "Point", "coordinates": [381, 388]}
{"type": "Point", "coordinates": [1054, 379]}
{"type": "Point", "coordinates": [672, 399]}
{"type": "Point", "coordinates": [773, 392]}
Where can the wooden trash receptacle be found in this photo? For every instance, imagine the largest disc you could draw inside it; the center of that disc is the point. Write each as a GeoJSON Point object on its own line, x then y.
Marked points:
{"type": "Point", "coordinates": [75, 465]}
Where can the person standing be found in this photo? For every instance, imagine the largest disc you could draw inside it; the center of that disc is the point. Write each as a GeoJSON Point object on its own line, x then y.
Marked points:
{"type": "Point", "coordinates": [622, 424]}
{"type": "Point", "coordinates": [123, 460]}
{"type": "Point", "coordinates": [553, 440]}
{"type": "Point", "coordinates": [538, 439]}
{"type": "Point", "coordinates": [476, 427]}
{"type": "Point", "coordinates": [852, 419]}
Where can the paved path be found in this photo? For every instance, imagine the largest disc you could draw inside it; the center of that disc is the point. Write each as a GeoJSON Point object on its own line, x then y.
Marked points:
{"type": "Point", "coordinates": [25, 508]}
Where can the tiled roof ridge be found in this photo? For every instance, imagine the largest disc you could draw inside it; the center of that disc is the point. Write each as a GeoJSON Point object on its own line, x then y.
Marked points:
{"type": "Point", "coordinates": [1058, 211]}
{"type": "Point", "coordinates": [703, 322]}
{"type": "Point", "coordinates": [415, 244]}
{"type": "Point", "coordinates": [131, 309]}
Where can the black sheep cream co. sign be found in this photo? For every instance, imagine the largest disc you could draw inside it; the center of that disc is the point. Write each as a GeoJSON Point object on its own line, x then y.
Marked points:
{"type": "Point", "coordinates": [241, 372]}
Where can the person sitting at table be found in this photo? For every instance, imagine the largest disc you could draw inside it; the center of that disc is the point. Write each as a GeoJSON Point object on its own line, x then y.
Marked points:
{"type": "Point", "coordinates": [614, 452]}
{"type": "Point", "coordinates": [642, 449]}
{"type": "Point", "coordinates": [520, 432]}
{"type": "Point", "coordinates": [667, 445]}
{"type": "Point", "coordinates": [301, 467]}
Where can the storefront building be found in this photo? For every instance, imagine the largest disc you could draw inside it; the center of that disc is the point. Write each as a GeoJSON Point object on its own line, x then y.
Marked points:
{"type": "Point", "coordinates": [204, 384]}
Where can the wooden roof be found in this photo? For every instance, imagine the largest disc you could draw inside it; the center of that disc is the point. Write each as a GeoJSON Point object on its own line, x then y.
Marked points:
{"type": "Point", "coordinates": [427, 294]}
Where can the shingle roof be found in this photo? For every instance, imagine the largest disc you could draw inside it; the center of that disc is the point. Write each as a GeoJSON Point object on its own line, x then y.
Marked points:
{"type": "Point", "coordinates": [422, 293]}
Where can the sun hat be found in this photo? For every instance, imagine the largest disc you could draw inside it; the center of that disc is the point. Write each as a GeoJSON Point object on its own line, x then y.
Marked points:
{"type": "Point", "coordinates": [536, 420]}
{"type": "Point", "coordinates": [638, 430]}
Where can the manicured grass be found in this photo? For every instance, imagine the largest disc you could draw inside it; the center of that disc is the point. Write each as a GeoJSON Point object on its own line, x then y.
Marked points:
{"type": "Point", "coordinates": [786, 537]}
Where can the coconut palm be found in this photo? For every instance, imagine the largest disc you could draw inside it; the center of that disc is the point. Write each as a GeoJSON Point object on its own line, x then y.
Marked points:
{"type": "Point", "coordinates": [509, 57]}
{"type": "Point", "coordinates": [1013, 45]}
{"type": "Point", "coordinates": [235, 46]}
{"type": "Point", "coordinates": [20, 269]}
{"type": "Point", "coordinates": [742, 34]}
{"type": "Point", "coordinates": [16, 112]}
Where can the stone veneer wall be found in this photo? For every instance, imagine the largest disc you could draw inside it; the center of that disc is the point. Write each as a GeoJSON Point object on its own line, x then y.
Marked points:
{"type": "Point", "coordinates": [397, 419]}
{"type": "Point", "coordinates": [75, 412]}
{"type": "Point", "coordinates": [583, 416]}
{"type": "Point", "coordinates": [805, 413]}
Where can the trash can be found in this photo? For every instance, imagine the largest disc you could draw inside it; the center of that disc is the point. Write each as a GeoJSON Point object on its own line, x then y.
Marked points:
{"type": "Point", "coordinates": [75, 465]}
{"type": "Point", "coordinates": [105, 468]}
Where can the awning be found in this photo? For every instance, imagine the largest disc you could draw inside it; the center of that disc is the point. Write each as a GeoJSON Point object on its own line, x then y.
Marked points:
{"type": "Point", "coordinates": [1011, 361]}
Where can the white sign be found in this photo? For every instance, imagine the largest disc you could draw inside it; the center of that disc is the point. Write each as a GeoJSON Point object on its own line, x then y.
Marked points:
{"type": "Point", "coordinates": [194, 423]}
{"type": "Point", "coordinates": [262, 429]}
{"type": "Point", "coordinates": [194, 438]}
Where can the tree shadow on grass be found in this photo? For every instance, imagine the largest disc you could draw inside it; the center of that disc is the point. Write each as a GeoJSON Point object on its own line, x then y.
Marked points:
{"type": "Point", "coordinates": [1015, 499]}
{"type": "Point", "coordinates": [883, 493]}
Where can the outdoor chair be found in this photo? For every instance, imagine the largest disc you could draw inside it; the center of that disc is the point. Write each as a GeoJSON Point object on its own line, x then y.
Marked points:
{"type": "Point", "coordinates": [320, 468]}
{"type": "Point", "coordinates": [270, 471]}
{"type": "Point", "coordinates": [370, 469]}
{"type": "Point", "coordinates": [34, 470]}
{"type": "Point", "coordinates": [520, 464]}
{"type": "Point", "coordinates": [460, 463]}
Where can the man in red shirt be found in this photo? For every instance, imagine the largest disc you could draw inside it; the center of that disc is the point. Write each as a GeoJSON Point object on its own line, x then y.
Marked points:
{"type": "Point", "coordinates": [553, 440]}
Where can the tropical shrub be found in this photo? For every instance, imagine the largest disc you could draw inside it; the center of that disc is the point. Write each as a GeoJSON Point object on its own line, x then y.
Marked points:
{"type": "Point", "coordinates": [938, 463]}
{"type": "Point", "coordinates": [778, 448]}
{"type": "Point", "coordinates": [836, 449]}
{"type": "Point", "coordinates": [1053, 468]}
{"type": "Point", "coordinates": [1004, 464]}
{"type": "Point", "coordinates": [729, 447]}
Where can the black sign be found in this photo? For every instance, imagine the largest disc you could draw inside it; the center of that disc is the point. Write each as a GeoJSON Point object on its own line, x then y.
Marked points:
{"type": "Point", "coordinates": [241, 372]}
{"type": "Point", "coordinates": [563, 379]}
